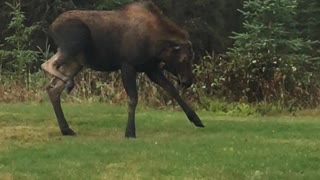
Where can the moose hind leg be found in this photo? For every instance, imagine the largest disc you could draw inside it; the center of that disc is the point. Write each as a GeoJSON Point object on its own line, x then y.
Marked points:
{"type": "Point", "coordinates": [71, 69]}
{"type": "Point", "coordinates": [52, 66]}
{"type": "Point", "coordinates": [54, 90]}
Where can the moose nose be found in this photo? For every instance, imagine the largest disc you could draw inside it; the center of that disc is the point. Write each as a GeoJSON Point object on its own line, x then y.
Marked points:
{"type": "Point", "coordinates": [186, 84]}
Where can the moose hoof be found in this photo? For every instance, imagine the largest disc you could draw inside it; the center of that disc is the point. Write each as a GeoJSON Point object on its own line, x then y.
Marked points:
{"type": "Point", "coordinates": [195, 120]}
{"type": "Point", "coordinates": [130, 135]}
{"type": "Point", "coordinates": [68, 132]}
{"type": "Point", "coordinates": [198, 124]}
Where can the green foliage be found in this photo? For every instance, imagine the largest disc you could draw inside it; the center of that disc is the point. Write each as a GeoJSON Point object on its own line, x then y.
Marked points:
{"type": "Point", "coordinates": [18, 56]}
{"type": "Point", "coordinates": [308, 22]}
{"type": "Point", "coordinates": [269, 59]}
{"type": "Point", "coordinates": [269, 30]}
{"type": "Point", "coordinates": [308, 18]}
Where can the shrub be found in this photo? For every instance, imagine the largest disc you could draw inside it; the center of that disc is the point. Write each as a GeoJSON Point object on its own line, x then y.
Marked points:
{"type": "Point", "coordinates": [269, 60]}
{"type": "Point", "coordinates": [17, 57]}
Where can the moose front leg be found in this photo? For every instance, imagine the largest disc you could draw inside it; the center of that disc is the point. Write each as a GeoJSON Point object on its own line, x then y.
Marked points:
{"type": "Point", "coordinates": [158, 78]}
{"type": "Point", "coordinates": [129, 74]}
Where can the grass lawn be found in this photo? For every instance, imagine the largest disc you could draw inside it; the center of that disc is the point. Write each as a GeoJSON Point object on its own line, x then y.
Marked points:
{"type": "Point", "coordinates": [167, 145]}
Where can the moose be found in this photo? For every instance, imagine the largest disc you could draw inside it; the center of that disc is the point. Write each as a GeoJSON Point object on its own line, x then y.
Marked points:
{"type": "Point", "coordinates": [133, 39]}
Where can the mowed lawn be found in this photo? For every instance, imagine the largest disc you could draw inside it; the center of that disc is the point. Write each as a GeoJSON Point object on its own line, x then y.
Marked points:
{"type": "Point", "coordinates": [167, 145]}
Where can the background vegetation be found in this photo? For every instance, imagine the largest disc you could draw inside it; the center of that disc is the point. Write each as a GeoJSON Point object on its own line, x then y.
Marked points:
{"type": "Point", "coordinates": [250, 53]}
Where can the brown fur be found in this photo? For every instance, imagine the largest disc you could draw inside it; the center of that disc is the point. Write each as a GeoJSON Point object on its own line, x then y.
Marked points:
{"type": "Point", "coordinates": [137, 31]}
{"type": "Point", "coordinates": [136, 38]}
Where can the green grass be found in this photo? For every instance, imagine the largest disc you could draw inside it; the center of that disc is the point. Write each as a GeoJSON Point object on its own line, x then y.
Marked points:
{"type": "Point", "coordinates": [167, 147]}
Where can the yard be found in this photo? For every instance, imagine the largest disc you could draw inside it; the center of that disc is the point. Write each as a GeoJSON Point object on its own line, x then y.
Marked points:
{"type": "Point", "coordinates": [167, 145]}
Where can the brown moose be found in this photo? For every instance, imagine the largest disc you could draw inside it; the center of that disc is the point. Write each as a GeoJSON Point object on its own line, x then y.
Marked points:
{"type": "Point", "coordinates": [136, 38]}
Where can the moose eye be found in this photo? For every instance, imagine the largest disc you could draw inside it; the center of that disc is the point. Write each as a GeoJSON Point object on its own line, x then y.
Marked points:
{"type": "Point", "coordinates": [176, 48]}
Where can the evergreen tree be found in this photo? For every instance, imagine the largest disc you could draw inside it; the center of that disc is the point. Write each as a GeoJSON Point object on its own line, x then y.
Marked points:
{"type": "Point", "coordinates": [270, 50]}
{"type": "Point", "coordinates": [309, 21]}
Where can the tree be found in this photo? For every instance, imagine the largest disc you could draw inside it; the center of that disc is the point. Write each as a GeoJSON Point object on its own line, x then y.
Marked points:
{"type": "Point", "coordinates": [269, 56]}
{"type": "Point", "coordinates": [309, 23]}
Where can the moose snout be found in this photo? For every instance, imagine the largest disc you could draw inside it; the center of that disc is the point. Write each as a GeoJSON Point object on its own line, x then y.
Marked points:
{"type": "Point", "coordinates": [185, 82]}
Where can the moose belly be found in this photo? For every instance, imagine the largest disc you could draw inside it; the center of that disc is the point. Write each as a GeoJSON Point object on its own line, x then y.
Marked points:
{"type": "Point", "coordinates": [103, 65]}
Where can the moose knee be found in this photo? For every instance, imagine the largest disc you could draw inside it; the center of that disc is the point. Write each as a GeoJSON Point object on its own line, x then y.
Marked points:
{"type": "Point", "coordinates": [55, 88]}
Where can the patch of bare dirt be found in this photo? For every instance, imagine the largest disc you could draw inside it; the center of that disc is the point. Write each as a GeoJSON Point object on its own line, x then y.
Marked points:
{"type": "Point", "coordinates": [24, 135]}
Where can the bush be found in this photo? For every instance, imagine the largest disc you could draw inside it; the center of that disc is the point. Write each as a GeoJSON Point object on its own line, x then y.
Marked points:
{"type": "Point", "coordinates": [17, 57]}
{"type": "Point", "coordinates": [269, 61]}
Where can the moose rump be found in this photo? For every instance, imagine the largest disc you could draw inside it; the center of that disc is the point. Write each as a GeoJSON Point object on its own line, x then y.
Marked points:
{"type": "Point", "coordinates": [136, 38]}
